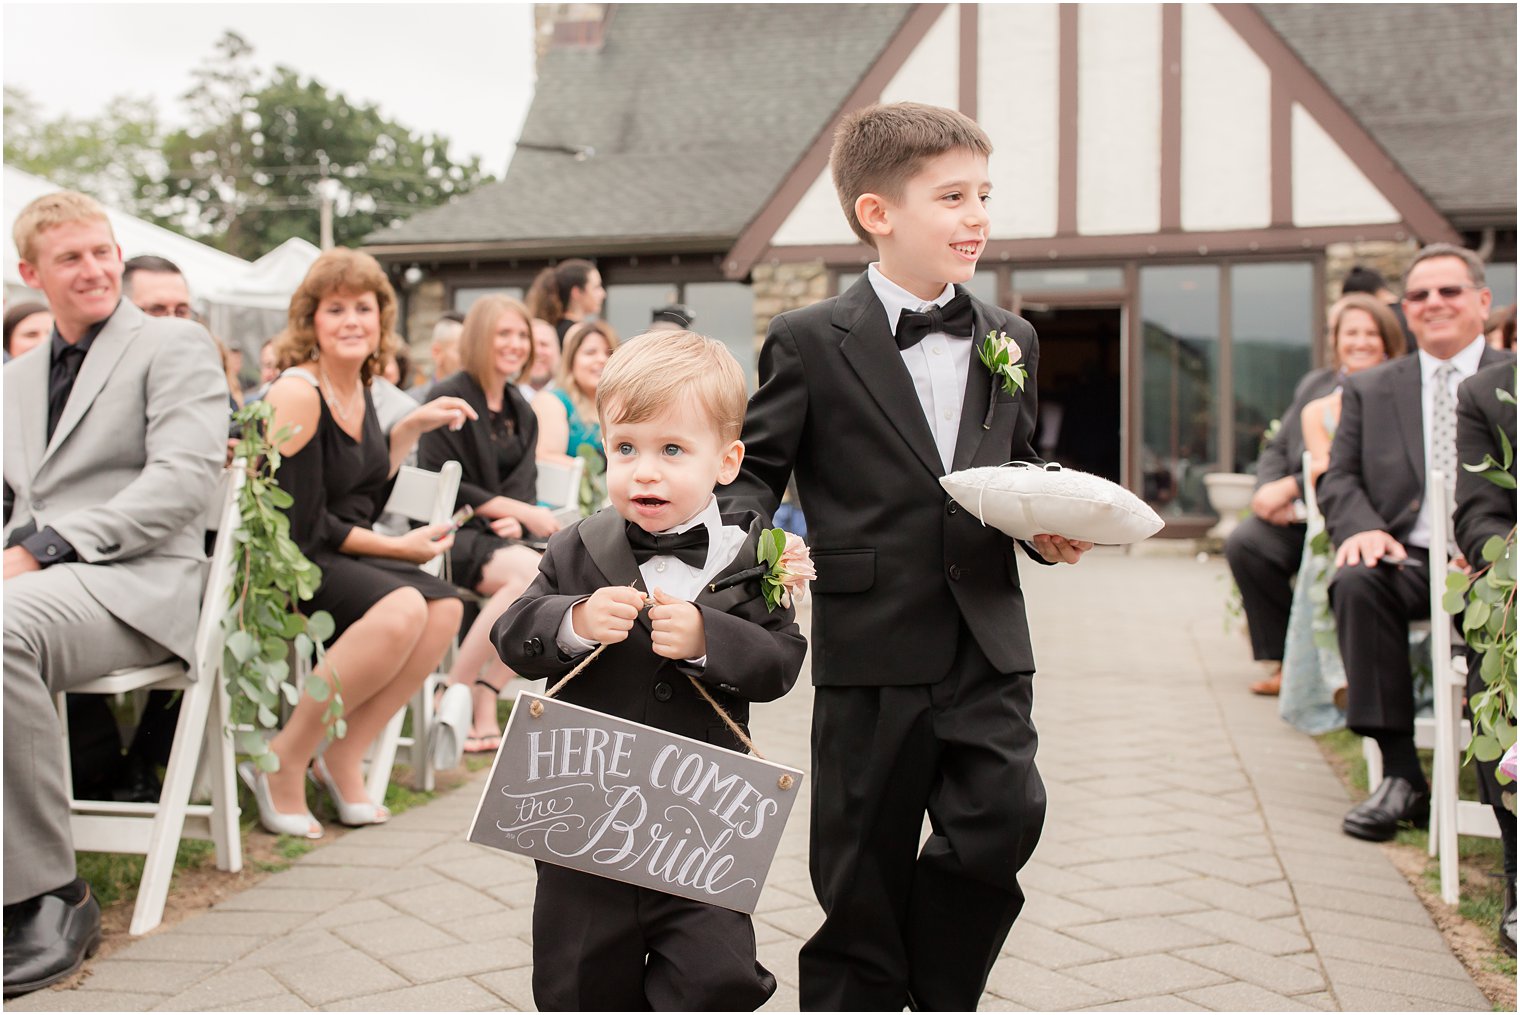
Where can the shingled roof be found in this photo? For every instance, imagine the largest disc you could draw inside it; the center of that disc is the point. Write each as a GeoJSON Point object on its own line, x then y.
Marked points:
{"type": "Point", "coordinates": [1433, 83]}
{"type": "Point", "coordinates": [694, 112]}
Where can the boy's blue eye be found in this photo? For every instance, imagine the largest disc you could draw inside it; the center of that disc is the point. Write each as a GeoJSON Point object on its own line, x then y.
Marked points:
{"type": "Point", "coordinates": [624, 449]}
{"type": "Point", "coordinates": [672, 449]}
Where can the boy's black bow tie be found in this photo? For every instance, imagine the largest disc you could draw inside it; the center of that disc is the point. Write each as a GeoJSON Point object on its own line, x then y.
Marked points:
{"type": "Point", "coordinates": [953, 319]}
{"type": "Point", "coordinates": [689, 547]}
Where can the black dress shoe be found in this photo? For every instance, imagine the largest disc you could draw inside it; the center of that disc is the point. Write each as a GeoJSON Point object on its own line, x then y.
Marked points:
{"type": "Point", "coordinates": [1507, 921]}
{"type": "Point", "coordinates": [1394, 802]}
{"type": "Point", "coordinates": [137, 781]}
{"type": "Point", "coordinates": [47, 939]}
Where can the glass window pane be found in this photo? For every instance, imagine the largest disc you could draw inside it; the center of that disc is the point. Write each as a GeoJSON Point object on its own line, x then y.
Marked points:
{"type": "Point", "coordinates": [465, 297]}
{"type": "Point", "coordinates": [726, 311]}
{"type": "Point", "coordinates": [1501, 281]}
{"type": "Point", "coordinates": [1179, 305]}
{"type": "Point", "coordinates": [1067, 279]}
{"type": "Point", "coordinates": [630, 307]}
{"type": "Point", "coordinates": [1272, 331]}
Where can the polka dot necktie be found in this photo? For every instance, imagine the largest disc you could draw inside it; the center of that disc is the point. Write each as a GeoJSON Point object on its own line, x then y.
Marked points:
{"type": "Point", "coordinates": [1443, 433]}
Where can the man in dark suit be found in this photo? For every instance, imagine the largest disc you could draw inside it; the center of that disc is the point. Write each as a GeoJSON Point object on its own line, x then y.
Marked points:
{"type": "Point", "coordinates": [1396, 420]}
{"type": "Point", "coordinates": [1265, 550]}
{"type": "Point", "coordinates": [1485, 510]}
{"type": "Point", "coordinates": [114, 435]}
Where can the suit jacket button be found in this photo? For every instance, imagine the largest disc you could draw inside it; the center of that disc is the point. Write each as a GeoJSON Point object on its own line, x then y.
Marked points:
{"type": "Point", "coordinates": [955, 572]}
{"type": "Point", "coordinates": [533, 647]}
{"type": "Point", "coordinates": [663, 691]}
{"type": "Point", "coordinates": [952, 508]}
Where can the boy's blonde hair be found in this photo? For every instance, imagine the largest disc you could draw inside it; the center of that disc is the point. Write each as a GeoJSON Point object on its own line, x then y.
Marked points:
{"type": "Point", "coordinates": [878, 149]}
{"type": "Point", "coordinates": [654, 370]}
{"type": "Point", "coordinates": [50, 211]}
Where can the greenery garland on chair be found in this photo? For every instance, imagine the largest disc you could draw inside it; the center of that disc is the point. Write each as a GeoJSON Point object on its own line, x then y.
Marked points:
{"type": "Point", "coordinates": [271, 576]}
{"type": "Point", "coordinates": [1486, 598]}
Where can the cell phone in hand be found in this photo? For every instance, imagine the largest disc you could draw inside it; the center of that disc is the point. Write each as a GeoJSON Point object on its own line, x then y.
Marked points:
{"type": "Point", "coordinates": [1400, 562]}
{"type": "Point", "coordinates": [459, 517]}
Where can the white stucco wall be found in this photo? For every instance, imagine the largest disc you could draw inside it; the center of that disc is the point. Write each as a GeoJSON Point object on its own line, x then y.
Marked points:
{"type": "Point", "coordinates": [1328, 188]}
{"type": "Point", "coordinates": [1119, 118]}
{"type": "Point", "coordinates": [817, 217]}
{"type": "Point", "coordinates": [1226, 127]}
{"type": "Point", "coordinates": [932, 72]}
{"type": "Point", "coordinates": [1018, 98]}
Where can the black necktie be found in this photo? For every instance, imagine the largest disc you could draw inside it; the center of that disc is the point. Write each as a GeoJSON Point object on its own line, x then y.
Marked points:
{"type": "Point", "coordinates": [61, 378]}
{"type": "Point", "coordinates": [689, 547]}
{"type": "Point", "coordinates": [953, 319]}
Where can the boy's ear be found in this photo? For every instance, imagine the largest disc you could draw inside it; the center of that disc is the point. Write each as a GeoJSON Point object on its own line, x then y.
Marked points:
{"type": "Point", "coordinates": [871, 211]}
{"type": "Point", "coordinates": [733, 457]}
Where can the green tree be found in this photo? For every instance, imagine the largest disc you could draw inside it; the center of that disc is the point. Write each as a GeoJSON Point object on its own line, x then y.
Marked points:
{"type": "Point", "coordinates": [251, 166]}
{"type": "Point", "coordinates": [105, 156]}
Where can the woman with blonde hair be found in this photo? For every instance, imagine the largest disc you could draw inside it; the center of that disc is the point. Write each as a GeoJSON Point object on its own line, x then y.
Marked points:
{"type": "Point", "coordinates": [566, 412]}
{"type": "Point", "coordinates": [496, 453]}
{"type": "Point", "coordinates": [393, 621]}
{"type": "Point", "coordinates": [1364, 334]}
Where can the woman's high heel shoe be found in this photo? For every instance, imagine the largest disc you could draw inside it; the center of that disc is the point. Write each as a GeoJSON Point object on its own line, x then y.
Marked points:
{"type": "Point", "coordinates": [353, 815]}
{"type": "Point", "coordinates": [302, 826]}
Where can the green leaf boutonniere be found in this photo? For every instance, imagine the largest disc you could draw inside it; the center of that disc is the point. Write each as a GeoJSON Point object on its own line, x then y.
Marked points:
{"type": "Point", "coordinates": [789, 567]}
{"type": "Point", "coordinates": [1000, 355]}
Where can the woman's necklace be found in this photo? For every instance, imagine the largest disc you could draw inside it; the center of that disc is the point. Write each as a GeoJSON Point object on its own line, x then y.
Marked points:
{"type": "Point", "coordinates": [355, 402]}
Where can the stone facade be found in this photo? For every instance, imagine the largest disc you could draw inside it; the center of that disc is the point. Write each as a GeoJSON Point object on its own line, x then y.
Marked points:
{"type": "Point", "coordinates": [1389, 257]}
{"type": "Point", "coordinates": [426, 304]}
{"type": "Point", "coordinates": [781, 287]}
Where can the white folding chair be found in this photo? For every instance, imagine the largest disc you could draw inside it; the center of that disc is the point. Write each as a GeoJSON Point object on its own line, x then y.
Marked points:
{"type": "Point", "coordinates": [154, 829]}
{"type": "Point", "coordinates": [559, 488]}
{"type": "Point", "coordinates": [427, 497]}
{"type": "Point", "coordinates": [1449, 815]}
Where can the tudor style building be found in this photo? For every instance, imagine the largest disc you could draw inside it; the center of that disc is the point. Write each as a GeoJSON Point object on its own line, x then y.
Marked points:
{"type": "Point", "coordinates": [1178, 189]}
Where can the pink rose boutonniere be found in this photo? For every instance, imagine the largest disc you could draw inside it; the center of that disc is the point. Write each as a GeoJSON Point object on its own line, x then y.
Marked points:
{"type": "Point", "coordinates": [1000, 355]}
{"type": "Point", "coordinates": [789, 567]}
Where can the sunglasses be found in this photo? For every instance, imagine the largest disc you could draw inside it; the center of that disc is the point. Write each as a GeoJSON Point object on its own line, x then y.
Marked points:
{"type": "Point", "coordinates": [1448, 292]}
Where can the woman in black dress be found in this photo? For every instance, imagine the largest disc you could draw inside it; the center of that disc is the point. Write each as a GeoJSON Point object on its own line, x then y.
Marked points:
{"type": "Point", "coordinates": [394, 622]}
{"type": "Point", "coordinates": [496, 454]}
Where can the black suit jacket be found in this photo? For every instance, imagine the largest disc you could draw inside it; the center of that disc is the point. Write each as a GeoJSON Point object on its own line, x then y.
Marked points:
{"type": "Point", "coordinates": [471, 446]}
{"type": "Point", "coordinates": [1284, 454]}
{"type": "Point", "coordinates": [1483, 509]}
{"type": "Point", "coordinates": [752, 654]}
{"type": "Point", "coordinates": [1376, 478]}
{"type": "Point", "coordinates": [900, 565]}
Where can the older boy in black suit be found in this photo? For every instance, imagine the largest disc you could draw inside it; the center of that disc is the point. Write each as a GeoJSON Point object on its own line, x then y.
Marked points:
{"type": "Point", "coordinates": [671, 405]}
{"type": "Point", "coordinates": [921, 655]}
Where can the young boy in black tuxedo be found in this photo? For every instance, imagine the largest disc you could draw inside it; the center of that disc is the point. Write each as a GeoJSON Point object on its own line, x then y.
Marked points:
{"type": "Point", "coordinates": [672, 406]}
{"type": "Point", "coordinates": [921, 654]}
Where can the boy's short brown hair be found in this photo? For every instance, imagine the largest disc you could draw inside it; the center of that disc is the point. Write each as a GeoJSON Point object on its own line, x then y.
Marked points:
{"type": "Point", "coordinates": [878, 149]}
{"type": "Point", "coordinates": [658, 368]}
{"type": "Point", "coordinates": [50, 211]}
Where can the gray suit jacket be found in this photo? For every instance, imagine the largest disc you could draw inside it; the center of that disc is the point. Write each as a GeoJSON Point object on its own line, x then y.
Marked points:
{"type": "Point", "coordinates": [130, 469]}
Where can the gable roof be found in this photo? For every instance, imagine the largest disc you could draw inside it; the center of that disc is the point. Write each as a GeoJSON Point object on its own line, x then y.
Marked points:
{"type": "Point", "coordinates": [1433, 83]}
{"type": "Point", "coordinates": [694, 112]}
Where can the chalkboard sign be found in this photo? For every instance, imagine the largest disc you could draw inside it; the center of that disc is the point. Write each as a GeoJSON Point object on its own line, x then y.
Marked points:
{"type": "Point", "coordinates": [574, 787]}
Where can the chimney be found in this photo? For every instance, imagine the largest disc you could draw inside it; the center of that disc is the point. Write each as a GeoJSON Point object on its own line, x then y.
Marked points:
{"type": "Point", "coordinates": [569, 26]}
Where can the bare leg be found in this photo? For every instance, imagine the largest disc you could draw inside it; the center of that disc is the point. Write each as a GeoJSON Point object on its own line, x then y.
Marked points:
{"type": "Point", "coordinates": [344, 758]}
{"type": "Point", "coordinates": [366, 659]}
{"type": "Point", "coordinates": [509, 571]}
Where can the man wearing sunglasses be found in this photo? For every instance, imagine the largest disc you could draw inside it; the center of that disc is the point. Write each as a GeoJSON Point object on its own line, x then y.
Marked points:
{"type": "Point", "coordinates": [1397, 421]}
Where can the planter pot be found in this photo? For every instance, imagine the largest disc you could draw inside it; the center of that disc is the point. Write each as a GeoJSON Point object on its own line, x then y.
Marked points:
{"type": "Point", "coordinates": [1229, 496]}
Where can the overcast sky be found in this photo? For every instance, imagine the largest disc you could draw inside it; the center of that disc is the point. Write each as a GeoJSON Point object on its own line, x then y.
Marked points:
{"type": "Point", "coordinates": [462, 70]}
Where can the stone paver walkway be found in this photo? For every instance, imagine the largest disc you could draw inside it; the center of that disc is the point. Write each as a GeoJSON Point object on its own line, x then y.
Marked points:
{"type": "Point", "coordinates": [1191, 860]}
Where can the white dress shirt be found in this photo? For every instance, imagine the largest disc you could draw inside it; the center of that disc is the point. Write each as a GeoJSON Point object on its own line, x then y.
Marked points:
{"type": "Point", "coordinates": [938, 364]}
{"type": "Point", "coordinates": [672, 575]}
{"type": "Point", "coordinates": [1466, 363]}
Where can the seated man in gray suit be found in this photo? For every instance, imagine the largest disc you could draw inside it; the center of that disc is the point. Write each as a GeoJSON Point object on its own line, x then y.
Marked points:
{"type": "Point", "coordinates": [114, 435]}
{"type": "Point", "coordinates": [1398, 420]}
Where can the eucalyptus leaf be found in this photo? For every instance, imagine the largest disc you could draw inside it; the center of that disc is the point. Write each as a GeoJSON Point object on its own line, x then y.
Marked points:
{"type": "Point", "coordinates": [1486, 748]}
